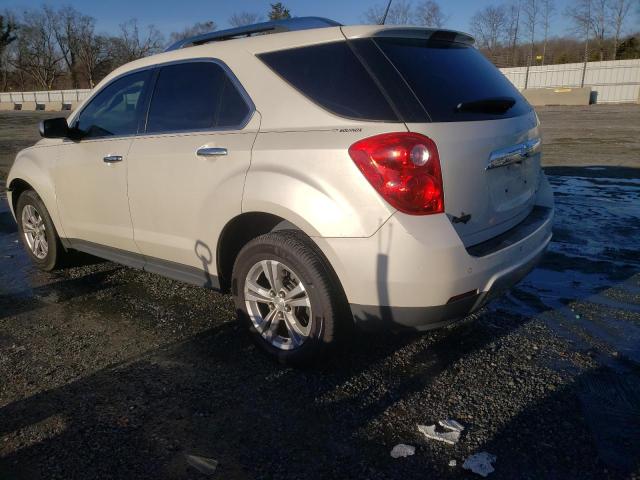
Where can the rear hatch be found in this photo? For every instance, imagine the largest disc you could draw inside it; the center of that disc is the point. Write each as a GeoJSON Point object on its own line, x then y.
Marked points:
{"type": "Point", "coordinates": [485, 131]}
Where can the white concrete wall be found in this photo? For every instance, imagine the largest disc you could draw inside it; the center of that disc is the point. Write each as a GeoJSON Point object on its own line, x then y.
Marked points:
{"type": "Point", "coordinates": [57, 96]}
{"type": "Point", "coordinates": [615, 81]}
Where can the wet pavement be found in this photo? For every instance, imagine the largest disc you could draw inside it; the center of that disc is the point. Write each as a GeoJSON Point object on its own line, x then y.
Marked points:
{"type": "Point", "coordinates": [108, 372]}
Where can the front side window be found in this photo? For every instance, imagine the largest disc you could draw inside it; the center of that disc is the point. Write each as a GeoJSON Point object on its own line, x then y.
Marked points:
{"type": "Point", "coordinates": [195, 96]}
{"type": "Point", "coordinates": [115, 110]}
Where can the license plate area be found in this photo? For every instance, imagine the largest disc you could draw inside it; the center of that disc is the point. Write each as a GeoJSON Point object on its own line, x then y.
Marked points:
{"type": "Point", "coordinates": [513, 186]}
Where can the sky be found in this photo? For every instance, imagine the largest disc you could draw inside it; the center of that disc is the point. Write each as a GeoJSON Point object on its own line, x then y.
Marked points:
{"type": "Point", "coordinates": [175, 15]}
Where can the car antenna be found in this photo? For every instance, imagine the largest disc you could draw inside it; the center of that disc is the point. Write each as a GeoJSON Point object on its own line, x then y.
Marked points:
{"type": "Point", "coordinates": [386, 12]}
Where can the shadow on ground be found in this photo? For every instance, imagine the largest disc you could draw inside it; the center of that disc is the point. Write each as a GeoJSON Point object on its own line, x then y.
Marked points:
{"type": "Point", "coordinates": [123, 373]}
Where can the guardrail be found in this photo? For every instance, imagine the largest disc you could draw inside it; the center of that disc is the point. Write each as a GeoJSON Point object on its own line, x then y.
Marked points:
{"type": "Point", "coordinates": [43, 100]}
{"type": "Point", "coordinates": [615, 81]}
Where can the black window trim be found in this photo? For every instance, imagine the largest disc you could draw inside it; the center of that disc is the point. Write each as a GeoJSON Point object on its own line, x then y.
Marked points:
{"type": "Point", "coordinates": [148, 95]}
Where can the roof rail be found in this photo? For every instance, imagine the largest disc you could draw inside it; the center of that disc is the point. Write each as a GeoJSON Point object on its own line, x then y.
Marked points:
{"type": "Point", "coordinates": [275, 26]}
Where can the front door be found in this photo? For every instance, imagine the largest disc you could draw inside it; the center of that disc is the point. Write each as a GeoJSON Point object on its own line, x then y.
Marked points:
{"type": "Point", "coordinates": [91, 173]}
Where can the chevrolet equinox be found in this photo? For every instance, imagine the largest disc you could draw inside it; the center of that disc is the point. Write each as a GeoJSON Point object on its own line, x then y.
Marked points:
{"type": "Point", "coordinates": [324, 175]}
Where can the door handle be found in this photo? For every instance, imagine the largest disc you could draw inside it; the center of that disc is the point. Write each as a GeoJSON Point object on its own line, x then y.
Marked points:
{"type": "Point", "coordinates": [211, 151]}
{"type": "Point", "coordinates": [112, 159]}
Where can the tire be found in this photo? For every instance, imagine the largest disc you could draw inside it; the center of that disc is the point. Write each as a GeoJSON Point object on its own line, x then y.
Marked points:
{"type": "Point", "coordinates": [317, 315]}
{"type": "Point", "coordinates": [29, 203]}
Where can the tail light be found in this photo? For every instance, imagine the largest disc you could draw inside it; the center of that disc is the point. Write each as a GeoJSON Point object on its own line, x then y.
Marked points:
{"type": "Point", "coordinates": [404, 168]}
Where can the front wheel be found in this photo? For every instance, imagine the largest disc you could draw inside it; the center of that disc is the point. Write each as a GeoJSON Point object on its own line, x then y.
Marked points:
{"type": "Point", "coordinates": [288, 296]}
{"type": "Point", "coordinates": [37, 232]}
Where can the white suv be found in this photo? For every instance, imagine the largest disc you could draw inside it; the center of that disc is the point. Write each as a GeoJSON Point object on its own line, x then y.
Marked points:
{"type": "Point", "coordinates": [325, 175]}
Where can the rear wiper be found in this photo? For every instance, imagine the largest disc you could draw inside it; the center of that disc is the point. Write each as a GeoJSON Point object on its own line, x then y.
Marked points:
{"type": "Point", "coordinates": [495, 105]}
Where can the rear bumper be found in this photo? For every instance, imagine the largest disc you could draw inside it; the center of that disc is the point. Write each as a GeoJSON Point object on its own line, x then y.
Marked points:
{"type": "Point", "coordinates": [415, 271]}
{"type": "Point", "coordinates": [375, 317]}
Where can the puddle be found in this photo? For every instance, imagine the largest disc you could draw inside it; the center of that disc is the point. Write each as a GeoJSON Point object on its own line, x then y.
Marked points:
{"type": "Point", "coordinates": [592, 263]}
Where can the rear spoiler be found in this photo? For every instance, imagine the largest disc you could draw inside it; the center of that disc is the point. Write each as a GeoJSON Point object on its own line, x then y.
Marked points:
{"type": "Point", "coordinates": [427, 34]}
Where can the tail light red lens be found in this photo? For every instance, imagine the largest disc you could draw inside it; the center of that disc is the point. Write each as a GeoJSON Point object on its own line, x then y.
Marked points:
{"type": "Point", "coordinates": [404, 168]}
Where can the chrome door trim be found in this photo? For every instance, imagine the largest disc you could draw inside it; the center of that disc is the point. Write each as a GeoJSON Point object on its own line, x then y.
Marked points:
{"type": "Point", "coordinates": [514, 154]}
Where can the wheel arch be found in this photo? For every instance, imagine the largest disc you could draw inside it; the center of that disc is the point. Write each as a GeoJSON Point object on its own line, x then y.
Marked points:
{"type": "Point", "coordinates": [237, 233]}
{"type": "Point", "coordinates": [33, 169]}
{"type": "Point", "coordinates": [17, 187]}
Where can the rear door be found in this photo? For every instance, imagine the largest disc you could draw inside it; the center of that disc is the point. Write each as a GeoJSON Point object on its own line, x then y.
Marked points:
{"type": "Point", "coordinates": [485, 131]}
{"type": "Point", "coordinates": [187, 170]}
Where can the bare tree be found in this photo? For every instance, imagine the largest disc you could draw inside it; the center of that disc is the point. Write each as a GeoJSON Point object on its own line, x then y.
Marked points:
{"type": "Point", "coordinates": [488, 26]}
{"type": "Point", "coordinates": [429, 14]}
{"type": "Point", "coordinates": [580, 15]}
{"type": "Point", "coordinates": [619, 9]}
{"type": "Point", "coordinates": [195, 29]}
{"type": "Point", "coordinates": [531, 11]}
{"type": "Point", "coordinates": [599, 24]}
{"type": "Point", "coordinates": [244, 18]}
{"type": "Point", "coordinates": [513, 29]}
{"type": "Point", "coordinates": [132, 44]}
{"type": "Point", "coordinates": [93, 56]}
{"type": "Point", "coordinates": [70, 28]}
{"type": "Point", "coordinates": [399, 13]}
{"type": "Point", "coordinates": [37, 53]}
{"type": "Point", "coordinates": [548, 8]}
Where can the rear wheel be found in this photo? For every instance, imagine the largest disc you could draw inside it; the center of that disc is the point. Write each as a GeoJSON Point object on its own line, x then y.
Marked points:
{"type": "Point", "coordinates": [288, 297]}
{"type": "Point", "coordinates": [37, 233]}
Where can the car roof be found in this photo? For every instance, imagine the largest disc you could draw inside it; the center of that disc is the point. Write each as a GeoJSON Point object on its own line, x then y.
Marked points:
{"type": "Point", "coordinates": [258, 44]}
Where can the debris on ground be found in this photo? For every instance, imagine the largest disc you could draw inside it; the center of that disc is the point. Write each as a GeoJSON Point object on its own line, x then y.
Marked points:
{"type": "Point", "coordinates": [402, 450]}
{"type": "Point", "coordinates": [452, 463]}
{"type": "Point", "coordinates": [480, 463]}
{"type": "Point", "coordinates": [204, 465]}
{"type": "Point", "coordinates": [451, 425]}
{"type": "Point", "coordinates": [451, 436]}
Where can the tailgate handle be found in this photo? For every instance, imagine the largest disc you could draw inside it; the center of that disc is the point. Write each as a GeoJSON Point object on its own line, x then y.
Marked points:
{"type": "Point", "coordinates": [514, 154]}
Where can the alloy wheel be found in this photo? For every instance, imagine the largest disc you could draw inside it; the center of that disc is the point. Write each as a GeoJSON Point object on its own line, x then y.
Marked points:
{"type": "Point", "coordinates": [278, 304]}
{"type": "Point", "coordinates": [34, 231]}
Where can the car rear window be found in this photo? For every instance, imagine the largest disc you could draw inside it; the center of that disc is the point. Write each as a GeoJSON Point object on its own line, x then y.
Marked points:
{"type": "Point", "coordinates": [444, 75]}
{"type": "Point", "coordinates": [333, 77]}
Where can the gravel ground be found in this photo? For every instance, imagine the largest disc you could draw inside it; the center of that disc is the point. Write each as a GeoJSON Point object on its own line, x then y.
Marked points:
{"type": "Point", "coordinates": [108, 372]}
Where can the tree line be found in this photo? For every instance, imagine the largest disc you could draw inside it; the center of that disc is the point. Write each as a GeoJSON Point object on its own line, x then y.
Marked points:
{"type": "Point", "coordinates": [51, 48]}
{"type": "Point", "coordinates": [518, 32]}
{"type": "Point", "coordinates": [57, 48]}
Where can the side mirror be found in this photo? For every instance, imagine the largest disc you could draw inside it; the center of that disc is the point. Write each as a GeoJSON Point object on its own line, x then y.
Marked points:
{"type": "Point", "coordinates": [54, 128]}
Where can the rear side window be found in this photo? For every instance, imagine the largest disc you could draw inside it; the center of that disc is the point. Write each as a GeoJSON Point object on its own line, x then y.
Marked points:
{"type": "Point", "coordinates": [444, 75]}
{"type": "Point", "coordinates": [332, 76]}
{"type": "Point", "coordinates": [195, 96]}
